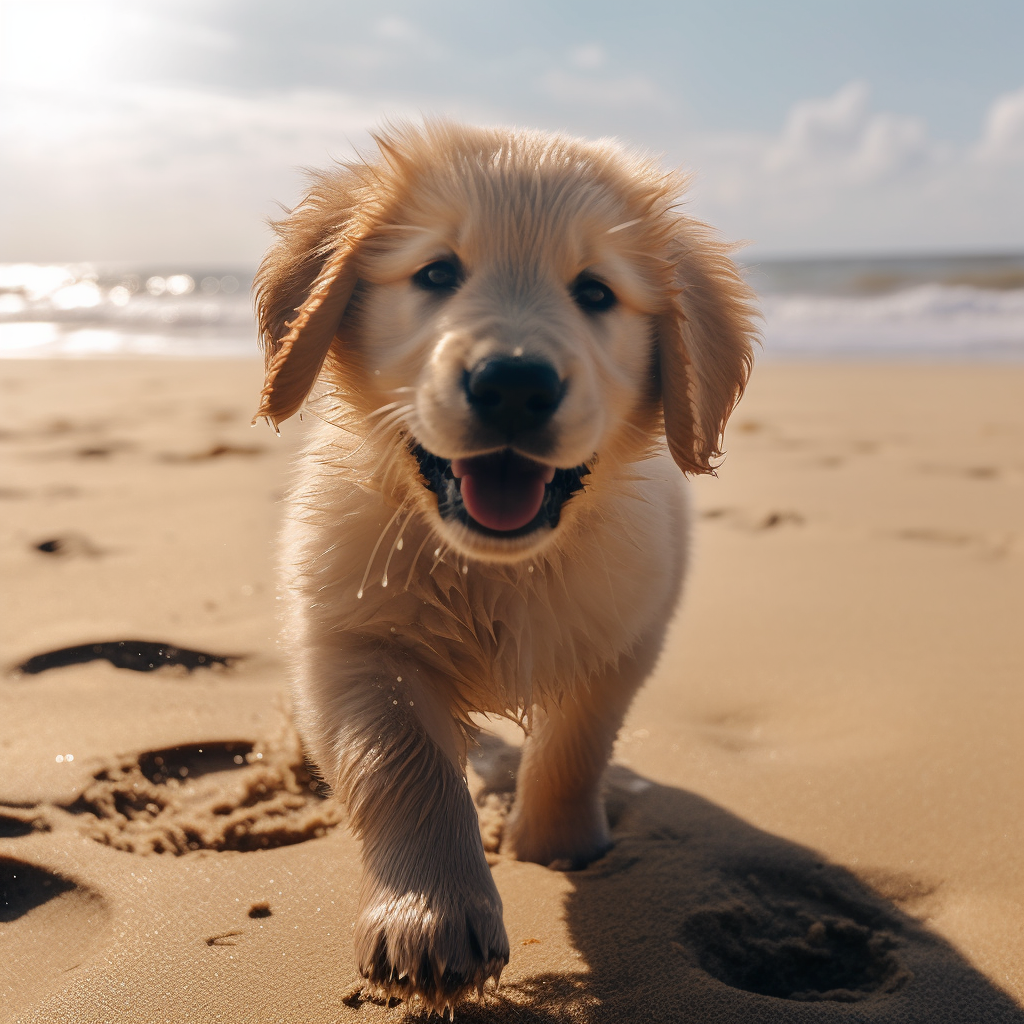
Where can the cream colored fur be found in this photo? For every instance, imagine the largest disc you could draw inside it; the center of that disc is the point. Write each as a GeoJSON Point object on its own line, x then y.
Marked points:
{"type": "Point", "coordinates": [401, 625]}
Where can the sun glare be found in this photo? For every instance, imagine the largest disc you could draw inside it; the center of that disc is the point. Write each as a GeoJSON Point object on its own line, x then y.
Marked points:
{"type": "Point", "coordinates": [57, 44]}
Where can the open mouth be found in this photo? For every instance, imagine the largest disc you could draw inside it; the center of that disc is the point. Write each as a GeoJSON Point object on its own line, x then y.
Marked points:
{"type": "Point", "coordinates": [502, 494]}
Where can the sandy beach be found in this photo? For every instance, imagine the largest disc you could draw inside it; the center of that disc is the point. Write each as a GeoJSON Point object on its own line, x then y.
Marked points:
{"type": "Point", "coordinates": [816, 800]}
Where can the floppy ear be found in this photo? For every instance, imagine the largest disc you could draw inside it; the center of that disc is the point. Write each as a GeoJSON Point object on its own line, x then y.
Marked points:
{"type": "Point", "coordinates": [302, 288]}
{"type": "Point", "coordinates": [704, 347]}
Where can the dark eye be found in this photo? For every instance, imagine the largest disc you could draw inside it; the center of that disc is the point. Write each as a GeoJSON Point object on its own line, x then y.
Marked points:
{"type": "Point", "coordinates": [439, 276]}
{"type": "Point", "coordinates": [592, 296]}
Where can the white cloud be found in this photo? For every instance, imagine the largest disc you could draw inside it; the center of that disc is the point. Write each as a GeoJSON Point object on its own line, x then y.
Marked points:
{"type": "Point", "coordinates": [161, 173]}
{"type": "Point", "coordinates": [890, 144]}
{"type": "Point", "coordinates": [822, 128]}
{"type": "Point", "coordinates": [839, 139]}
{"type": "Point", "coordinates": [840, 175]}
{"type": "Point", "coordinates": [1003, 138]}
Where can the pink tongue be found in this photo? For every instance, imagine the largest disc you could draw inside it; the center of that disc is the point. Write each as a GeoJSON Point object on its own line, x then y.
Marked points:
{"type": "Point", "coordinates": [502, 492]}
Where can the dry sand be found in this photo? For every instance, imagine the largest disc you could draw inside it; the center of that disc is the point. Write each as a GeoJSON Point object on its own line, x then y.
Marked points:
{"type": "Point", "coordinates": [816, 800]}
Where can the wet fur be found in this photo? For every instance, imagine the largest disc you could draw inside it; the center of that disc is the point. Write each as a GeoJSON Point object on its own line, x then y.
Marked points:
{"type": "Point", "coordinates": [400, 626]}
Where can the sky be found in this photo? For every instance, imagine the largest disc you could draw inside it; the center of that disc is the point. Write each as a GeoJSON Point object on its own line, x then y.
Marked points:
{"type": "Point", "coordinates": [162, 132]}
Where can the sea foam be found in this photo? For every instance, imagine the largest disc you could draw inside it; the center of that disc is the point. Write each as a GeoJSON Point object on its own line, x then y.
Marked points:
{"type": "Point", "coordinates": [958, 307]}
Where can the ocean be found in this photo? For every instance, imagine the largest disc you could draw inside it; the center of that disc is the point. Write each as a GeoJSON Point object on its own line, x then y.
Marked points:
{"type": "Point", "coordinates": [960, 307]}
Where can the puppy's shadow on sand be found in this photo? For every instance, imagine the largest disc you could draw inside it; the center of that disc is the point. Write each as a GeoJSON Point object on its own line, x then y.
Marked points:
{"type": "Point", "coordinates": [696, 915]}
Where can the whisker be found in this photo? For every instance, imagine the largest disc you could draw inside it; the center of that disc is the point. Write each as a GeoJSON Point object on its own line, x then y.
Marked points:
{"type": "Point", "coordinates": [376, 547]}
{"type": "Point", "coordinates": [396, 545]}
{"type": "Point", "coordinates": [375, 475]}
{"type": "Point", "coordinates": [381, 410]}
{"type": "Point", "coordinates": [416, 558]}
{"type": "Point", "coordinates": [381, 428]}
{"type": "Point", "coordinates": [439, 554]}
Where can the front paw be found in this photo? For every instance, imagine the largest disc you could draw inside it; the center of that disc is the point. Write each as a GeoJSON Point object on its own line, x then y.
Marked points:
{"type": "Point", "coordinates": [438, 948]}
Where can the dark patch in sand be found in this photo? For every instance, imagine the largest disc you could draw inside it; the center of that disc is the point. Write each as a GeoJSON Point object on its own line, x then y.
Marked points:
{"type": "Point", "coordinates": [137, 655]}
{"type": "Point", "coordinates": [98, 451]}
{"type": "Point", "coordinates": [746, 521]}
{"type": "Point", "coordinates": [216, 451]}
{"type": "Point", "coordinates": [23, 887]}
{"type": "Point", "coordinates": [981, 472]}
{"type": "Point", "coordinates": [794, 937]}
{"type": "Point", "coordinates": [224, 415]}
{"type": "Point", "coordinates": [14, 828]}
{"type": "Point", "coordinates": [68, 545]}
{"type": "Point", "coordinates": [260, 910]}
{"type": "Point", "coordinates": [774, 519]}
{"type": "Point", "coordinates": [193, 760]}
{"type": "Point", "coordinates": [363, 992]}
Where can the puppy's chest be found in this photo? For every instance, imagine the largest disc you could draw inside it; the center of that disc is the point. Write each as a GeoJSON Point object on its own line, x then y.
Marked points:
{"type": "Point", "coordinates": [508, 639]}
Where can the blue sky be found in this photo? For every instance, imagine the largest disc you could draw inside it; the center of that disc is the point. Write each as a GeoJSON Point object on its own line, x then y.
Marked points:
{"type": "Point", "coordinates": [162, 131]}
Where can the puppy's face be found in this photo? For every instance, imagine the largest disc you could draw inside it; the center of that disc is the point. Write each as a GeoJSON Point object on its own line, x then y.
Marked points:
{"type": "Point", "coordinates": [505, 309]}
{"type": "Point", "coordinates": [513, 327]}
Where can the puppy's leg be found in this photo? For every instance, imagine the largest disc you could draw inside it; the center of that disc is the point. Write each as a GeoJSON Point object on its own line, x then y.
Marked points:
{"type": "Point", "coordinates": [430, 917]}
{"type": "Point", "coordinates": [558, 817]}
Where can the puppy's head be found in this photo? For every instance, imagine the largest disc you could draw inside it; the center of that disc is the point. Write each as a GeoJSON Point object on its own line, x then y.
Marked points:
{"type": "Point", "coordinates": [510, 310]}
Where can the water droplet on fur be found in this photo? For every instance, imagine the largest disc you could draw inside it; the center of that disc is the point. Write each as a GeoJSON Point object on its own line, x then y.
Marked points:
{"type": "Point", "coordinates": [394, 702]}
{"type": "Point", "coordinates": [437, 552]}
{"type": "Point", "coordinates": [392, 629]}
{"type": "Point", "coordinates": [384, 581]}
{"type": "Point", "coordinates": [465, 570]}
{"type": "Point", "coordinates": [411, 704]}
{"type": "Point", "coordinates": [400, 544]}
{"type": "Point", "coordinates": [399, 678]}
{"type": "Point", "coordinates": [360, 594]}
{"type": "Point", "coordinates": [529, 568]}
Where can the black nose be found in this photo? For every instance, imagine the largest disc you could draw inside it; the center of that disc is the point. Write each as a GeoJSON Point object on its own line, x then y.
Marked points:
{"type": "Point", "coordinates": [513, 394]}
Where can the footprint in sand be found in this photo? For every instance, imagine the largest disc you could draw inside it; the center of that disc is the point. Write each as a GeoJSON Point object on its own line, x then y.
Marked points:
{"type": "Point", "coordinates": [977, 472]}
{"type": "Point", "coordinates": [208, 796]}
{"type": "Point", "coordinates": [137, 655]}
{"type": "Point", "coordinates": [794, 937]}
{"type": "Point", "coordinates": [48, 925]}
{"type": "Point", "coordinates": [216, 451]}
{"type": "Point", "coordinates": [745, 521]}
{"type": "Point", "coordinates": [13, 826]}
{"type": "Point", "coordinates": [68, 545]}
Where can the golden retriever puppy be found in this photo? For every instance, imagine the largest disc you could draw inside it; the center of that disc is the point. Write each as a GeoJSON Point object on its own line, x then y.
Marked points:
{"type": "Point", "coordinates": [505, 333]}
